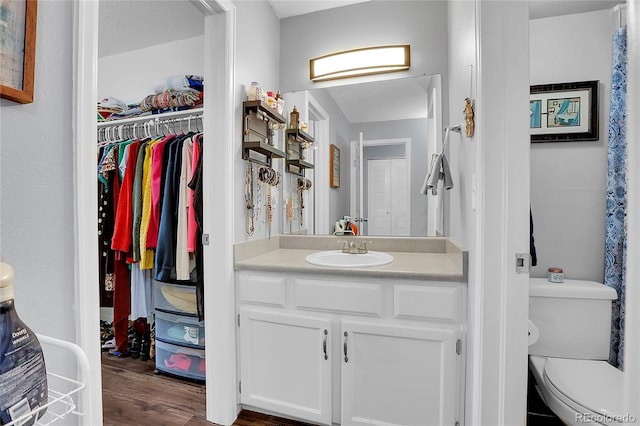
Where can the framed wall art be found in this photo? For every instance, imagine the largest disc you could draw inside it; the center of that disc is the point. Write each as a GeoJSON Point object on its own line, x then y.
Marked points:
{"type": "Point", "coordinates": [334, 164]}
{"type": "Point", "coordinates": [564, 112]}
{"type": "Point", "coordinates": [17, 49]}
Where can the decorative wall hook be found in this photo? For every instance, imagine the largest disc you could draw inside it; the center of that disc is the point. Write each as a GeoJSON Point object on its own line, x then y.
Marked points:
{"type": "Point", "coordinates": [469, 117]}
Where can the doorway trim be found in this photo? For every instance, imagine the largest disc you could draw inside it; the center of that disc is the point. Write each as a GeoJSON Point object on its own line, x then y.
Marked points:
{"type": "Point", "coordinates": [321, 169]}
{"type": "Point", "coordinates": [220, 36]}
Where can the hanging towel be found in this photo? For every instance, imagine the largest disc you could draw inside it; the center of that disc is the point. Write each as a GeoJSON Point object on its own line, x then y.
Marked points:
{"type": "Point", "coordinates": [439, 170]}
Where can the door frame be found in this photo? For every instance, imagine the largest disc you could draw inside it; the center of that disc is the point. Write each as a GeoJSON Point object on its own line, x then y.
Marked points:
{"type": "Point", "coordinates": [321, 166]}
{"type": "Point", "coordinates": [218, 122]}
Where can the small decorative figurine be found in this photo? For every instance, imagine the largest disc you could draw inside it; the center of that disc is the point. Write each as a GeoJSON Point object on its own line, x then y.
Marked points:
{"type": "Point", "coordinates": [468, 117]}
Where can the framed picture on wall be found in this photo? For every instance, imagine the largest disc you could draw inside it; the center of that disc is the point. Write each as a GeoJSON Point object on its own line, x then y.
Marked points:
{"type": "Point", "coordinates": [564, 112]}
{"type": "Point", "coordinates": [17, 49]}
{"type": "Point", "coordinates": [334, 164]}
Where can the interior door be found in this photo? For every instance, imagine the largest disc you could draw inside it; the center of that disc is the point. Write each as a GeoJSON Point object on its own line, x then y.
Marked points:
{"type": "Point", "coordinates": [387, 197]}
{"type": "Point", "coordinates": [399, 195]}
{"type": "Point", "coordinates": [379, 197]}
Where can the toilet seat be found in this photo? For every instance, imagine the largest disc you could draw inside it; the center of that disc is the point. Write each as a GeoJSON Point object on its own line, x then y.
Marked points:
{"type": "Point", "coordinates": [586, 387]}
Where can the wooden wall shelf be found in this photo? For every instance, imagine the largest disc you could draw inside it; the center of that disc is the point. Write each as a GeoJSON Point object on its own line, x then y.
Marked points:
{"type": "Point", "coordinates": [259, 119]}
{"type": "Point", "coordinates": [295, 164]}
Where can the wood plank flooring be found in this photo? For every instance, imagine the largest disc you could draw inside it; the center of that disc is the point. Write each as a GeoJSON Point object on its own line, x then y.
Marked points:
{"type": "Point", "coordinates": [132, 395]}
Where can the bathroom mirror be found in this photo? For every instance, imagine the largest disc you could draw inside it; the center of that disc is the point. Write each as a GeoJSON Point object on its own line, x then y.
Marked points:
{"type": "Point", "coordinates": [398, 123]}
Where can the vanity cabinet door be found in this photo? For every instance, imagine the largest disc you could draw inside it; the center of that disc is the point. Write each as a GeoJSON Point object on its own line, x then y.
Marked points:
{"type": "Point", "coordinates": [398, 375]}
{"type": "Point", "coordinates": [285, 363]}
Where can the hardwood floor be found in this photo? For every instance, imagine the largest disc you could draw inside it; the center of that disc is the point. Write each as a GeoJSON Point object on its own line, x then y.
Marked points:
{"type": "Point", "coordinates": [132, 395]}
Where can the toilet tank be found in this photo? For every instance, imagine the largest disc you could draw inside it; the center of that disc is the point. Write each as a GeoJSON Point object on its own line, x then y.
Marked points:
{"type": "Point", "coordinates": [573, 318]}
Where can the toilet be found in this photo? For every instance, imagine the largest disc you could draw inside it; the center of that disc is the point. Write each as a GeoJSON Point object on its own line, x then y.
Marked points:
{"type": "Point", "coordinates": [568, 359]}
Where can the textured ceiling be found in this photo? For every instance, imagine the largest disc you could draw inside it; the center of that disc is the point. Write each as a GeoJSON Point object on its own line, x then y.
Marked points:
{"type": "Point", "coordinates": [127, 25]}
{"type": "Point", "coordinates": [287, 8]}
{"type": "Point", "coordinates": [548, 8]}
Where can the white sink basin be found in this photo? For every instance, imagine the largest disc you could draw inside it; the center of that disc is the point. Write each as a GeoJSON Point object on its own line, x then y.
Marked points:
{"type": "Point", "coordinates": [338, 259]}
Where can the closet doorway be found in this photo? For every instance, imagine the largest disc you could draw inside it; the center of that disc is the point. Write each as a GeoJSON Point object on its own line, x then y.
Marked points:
{"type": "Point", "coordinates": [387, 197]}
{"type": "Point", "coordinates": [153, 107]}
{"type": "Point", "coordinates": [219, 42]}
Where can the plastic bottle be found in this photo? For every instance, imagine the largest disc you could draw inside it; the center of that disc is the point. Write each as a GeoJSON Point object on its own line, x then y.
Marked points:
{"type": "Point", "coordinates": [279, 102]}
{"type": "Point", "coordinates": [294, 118]}
{"type": "Point", "coordinates": [255, 93]}
{"type": "Point", "coordinates": [23, 376]}
{"type": "Point", "coordinates": [271, 100]}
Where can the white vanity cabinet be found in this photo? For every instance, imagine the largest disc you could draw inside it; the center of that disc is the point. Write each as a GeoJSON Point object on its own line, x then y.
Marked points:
{"type": "Point", "coordinates": [284, 363]}
{"type": "Point", "coordinates": [351, 350]}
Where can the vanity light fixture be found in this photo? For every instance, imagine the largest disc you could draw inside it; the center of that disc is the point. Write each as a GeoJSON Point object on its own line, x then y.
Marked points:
{"type": "Point", "coordinates": [359, 62]}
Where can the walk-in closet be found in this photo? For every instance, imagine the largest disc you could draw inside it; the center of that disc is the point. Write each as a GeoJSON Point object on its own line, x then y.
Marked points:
{"type": "Point", "coordinates": [150, 139]}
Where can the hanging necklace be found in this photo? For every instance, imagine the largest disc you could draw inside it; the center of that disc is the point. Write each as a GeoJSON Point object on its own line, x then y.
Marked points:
{"type": "Point", "coordinates": [248, 198]}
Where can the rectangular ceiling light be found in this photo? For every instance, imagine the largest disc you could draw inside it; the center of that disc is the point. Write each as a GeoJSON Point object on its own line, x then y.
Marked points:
{"type": "Point", "coordinates": [359, 62]}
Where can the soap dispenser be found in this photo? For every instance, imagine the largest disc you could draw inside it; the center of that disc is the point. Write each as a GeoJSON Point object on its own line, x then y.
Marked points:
{"type": "Point", "coordinates": [23, 376]}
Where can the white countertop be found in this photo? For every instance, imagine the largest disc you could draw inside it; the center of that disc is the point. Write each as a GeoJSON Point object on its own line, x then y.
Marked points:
{"type": "Point", "coordinates": [280, 256]}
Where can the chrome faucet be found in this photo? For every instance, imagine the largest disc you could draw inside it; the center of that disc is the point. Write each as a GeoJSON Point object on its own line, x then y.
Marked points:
{"type": "Point", "coordinates": [350, 247]}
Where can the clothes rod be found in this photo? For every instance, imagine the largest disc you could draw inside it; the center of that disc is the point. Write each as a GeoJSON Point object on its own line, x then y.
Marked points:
{"type": "Point", "coordinates": [154, 117]}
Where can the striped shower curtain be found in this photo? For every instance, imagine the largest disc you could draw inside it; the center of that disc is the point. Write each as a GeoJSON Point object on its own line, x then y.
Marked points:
{"type": "Point", "coordinates": [615, 235]}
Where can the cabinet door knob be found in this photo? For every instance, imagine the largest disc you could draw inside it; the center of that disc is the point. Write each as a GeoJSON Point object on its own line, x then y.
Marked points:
{"type": "Point", "coordinates": [346, 358]}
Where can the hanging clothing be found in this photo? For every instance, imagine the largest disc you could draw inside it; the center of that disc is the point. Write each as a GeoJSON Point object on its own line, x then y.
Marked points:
{"type": "Point", "coordinates": [184, 264]}
{"type": "Point", "coordinates": [165, 250]}
{"type": "Point", "coordinates": [124, 214]}
{"type": "Point", "coordinates": [615, 232]}
{"type": "Point", "coordinates": [196, 184]}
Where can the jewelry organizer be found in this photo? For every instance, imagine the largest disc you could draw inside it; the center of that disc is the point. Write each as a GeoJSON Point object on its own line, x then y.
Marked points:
{"type": "Point", "coordinates": [260, 121]}
{"type": "Point", "coordinates": [297, 142]}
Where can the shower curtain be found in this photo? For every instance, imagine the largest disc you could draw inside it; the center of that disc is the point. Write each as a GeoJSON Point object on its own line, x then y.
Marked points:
{"type": "Point", "coordinates": [615, 235]}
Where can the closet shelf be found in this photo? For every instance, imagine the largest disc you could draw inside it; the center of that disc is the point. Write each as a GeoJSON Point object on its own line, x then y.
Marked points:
{"type": "Point", "coordinates": [152, 117]}
{"type": "Point", "coordinates": [63, 391]}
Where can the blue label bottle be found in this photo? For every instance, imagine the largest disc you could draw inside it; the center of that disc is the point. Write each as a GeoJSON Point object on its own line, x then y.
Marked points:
{"type": "Point", "coordinates": [23, 376]}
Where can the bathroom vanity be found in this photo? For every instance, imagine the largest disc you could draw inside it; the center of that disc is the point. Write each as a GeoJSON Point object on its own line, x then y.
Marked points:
{"type": "Point", "coordinates": [354, 346]}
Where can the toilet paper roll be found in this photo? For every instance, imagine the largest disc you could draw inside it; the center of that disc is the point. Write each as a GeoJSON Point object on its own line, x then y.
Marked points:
{"type": "Point", "coordinates": [534, 333]}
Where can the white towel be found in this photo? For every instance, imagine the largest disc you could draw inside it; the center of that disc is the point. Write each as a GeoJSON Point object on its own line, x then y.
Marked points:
{"type": "Point", "coordinates": [439, 170]}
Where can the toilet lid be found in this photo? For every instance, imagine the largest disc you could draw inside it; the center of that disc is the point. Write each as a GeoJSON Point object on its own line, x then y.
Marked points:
{"type": "Point", "coordinates": [594, 386]}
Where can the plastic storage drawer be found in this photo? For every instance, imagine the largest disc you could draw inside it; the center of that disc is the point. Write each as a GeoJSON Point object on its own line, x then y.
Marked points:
{"type": "Point", "coordinates": [181, 330]}
{"type": "Point", "coordinates": [180, 360]}
{"type": "Point", "coordinates": [176, 298]}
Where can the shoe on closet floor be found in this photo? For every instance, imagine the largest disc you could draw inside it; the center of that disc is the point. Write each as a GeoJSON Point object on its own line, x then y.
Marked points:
{"type": "Point", "coordinates": [109, 344]}
{"type": "Point", "coordinates": [135, 347]}
{"type": "Point", "coordinates": [120, 354]}
{"type": "Point", "coordinates": [145, 348]}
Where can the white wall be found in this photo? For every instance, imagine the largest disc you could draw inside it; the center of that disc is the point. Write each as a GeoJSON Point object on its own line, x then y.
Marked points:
{"type": "Point", "coordinates": [460, 217]}
{"type": "Point", "coordinates": [422, 24]}
{"type": "Point", "coordinates": [36, 182]}
{"type": "Point", "coordinates": [488, 61]}
{"type": "Point", "coordinates": [132, 75]}
{"type": "Point", "coordinates": [568, 179]}
{"type": "Point", "coordinates": [257, 59]}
